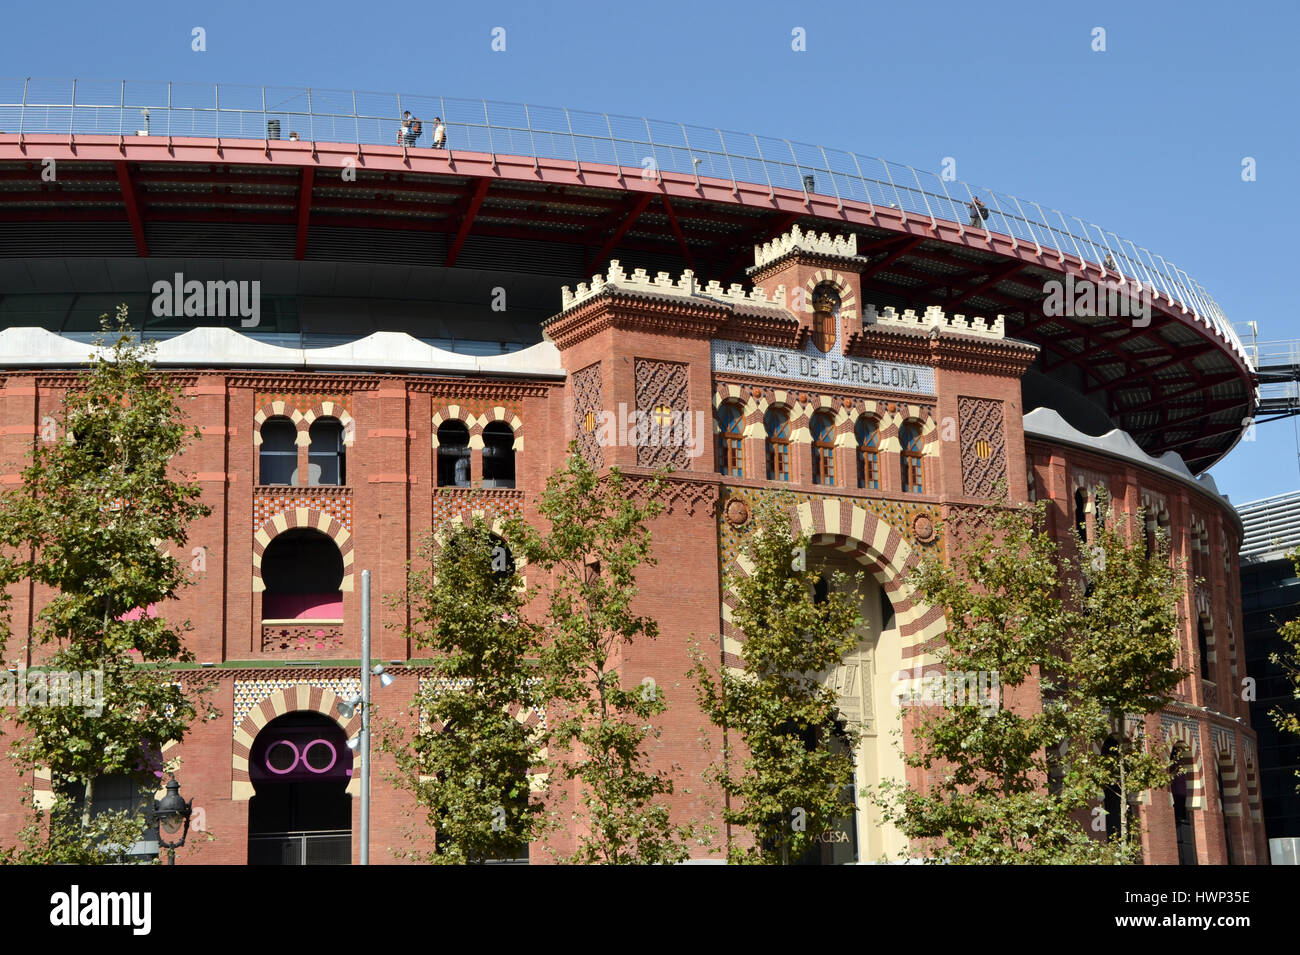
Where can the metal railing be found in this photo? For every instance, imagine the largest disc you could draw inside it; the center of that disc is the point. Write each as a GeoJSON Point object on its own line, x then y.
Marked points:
{"type": "Point", "coordinates": [122, 108]}
{"type": "Point", "coordinates": [301, 848]}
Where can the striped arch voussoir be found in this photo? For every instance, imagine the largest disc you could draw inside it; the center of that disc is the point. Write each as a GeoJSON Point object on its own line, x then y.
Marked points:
{"type": "Point", "coordinates": [454, 413]}
{"type": "Point", "coordinates": [848, 300]}
{"type": "Point", "coordinates": [276, 409]}
{"type": "Point", "coordinates": [298, 517]}
{"type": "Point", "coordinates": [1183, 738]}
{"type": "Point", "coordinates": [292, 699]}
{"type": "Point", "coordinates": [331, 409]}
{"type": "Point", "coordinates": [886, 556]}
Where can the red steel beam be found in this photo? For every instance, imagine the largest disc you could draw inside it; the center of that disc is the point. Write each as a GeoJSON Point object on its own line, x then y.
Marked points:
{"type": "Point", "coordinates": [612, 240]}
{"type": "Point", "coordinates": [466, 221]}
{"type": "Point", "coordinates": [132, 208]}
{"type": "Point", "coordinates": [677, 231]}
{"type": "Point", "coordinates": [304, 210]}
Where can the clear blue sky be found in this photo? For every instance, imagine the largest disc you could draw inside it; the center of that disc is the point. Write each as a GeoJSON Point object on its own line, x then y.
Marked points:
{"type": "Point", "coordinates": [1146, 138]}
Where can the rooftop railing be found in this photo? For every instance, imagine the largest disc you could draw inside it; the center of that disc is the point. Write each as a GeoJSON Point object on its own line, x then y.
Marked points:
{"type": "Point", "coordinates": [122, 108]}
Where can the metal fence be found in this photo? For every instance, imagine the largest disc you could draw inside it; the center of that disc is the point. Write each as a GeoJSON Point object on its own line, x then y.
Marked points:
{"type": "Point", "coordinates": [301, 848]}
{"type": "Point", "coordinates": [121, 108]}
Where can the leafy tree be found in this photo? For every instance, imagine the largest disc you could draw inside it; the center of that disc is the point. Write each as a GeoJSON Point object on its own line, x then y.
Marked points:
{"type": "Point", "coordinates": [91, 520]}
{"type": "Point", "coordinates": [1288, 721]}
{"type": "Point", "coordinates": [468, 765]}
{"type": "Point", "coordinates": [587, 563]}
{"type": "Point", "coordinates": [1122, 664]}
{"type": "Point", "coordinates": [778, 707]}
{"type": "Point", "coordinates": [1102, 647]}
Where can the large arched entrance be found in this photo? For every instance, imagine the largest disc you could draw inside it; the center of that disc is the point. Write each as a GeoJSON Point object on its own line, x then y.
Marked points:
{"type": "Point", "coordinates": [864, 684]}
{"type": "Point", "coordinates": [301, 812]}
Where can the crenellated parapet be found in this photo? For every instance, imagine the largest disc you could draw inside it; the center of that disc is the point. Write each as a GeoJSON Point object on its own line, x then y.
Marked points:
{"type": "Point", "coordinates": [687, 286]}
{"type": "Point", "coordinates": [796, 240]}
{"type": "Point", "coordinates": [933, 318]}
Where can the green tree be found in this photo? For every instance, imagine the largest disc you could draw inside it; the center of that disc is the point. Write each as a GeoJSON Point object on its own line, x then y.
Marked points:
{"type": "Point", "coordinates": [791, 780]}
{"type": "Point", "coordinates": [586, 565]}
{"type": "Point", "coordinates": [1016, 784]}
{"type": "Point", "coordinates": [1288, 720]}
{"type": "Point", "coordinates": [468, 764]}
{"type": "Point", "coordinates": [1121, 665]}
{"type": "Point", "coordinates": [91, 520]}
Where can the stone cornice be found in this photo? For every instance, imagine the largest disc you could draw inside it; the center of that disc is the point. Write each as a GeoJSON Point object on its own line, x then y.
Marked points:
{"type": "Point", "coordinates": [622, 309]}
{"type": "Point", "coordinates": [957, 352]}
{"type": "Point", "coordinates": [774, 331]}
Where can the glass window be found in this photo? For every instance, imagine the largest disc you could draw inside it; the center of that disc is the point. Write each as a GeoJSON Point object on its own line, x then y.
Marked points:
{"type": "Point", "coordinates": [731, 422]}
{"type": "Point", "coordinates": [823, 435]}
{"type": "Point", "coordinates": [868, 438]}
{"type": "Point", "coordinates": [279, 452]}
{"type": "Point", "coordinates": [498, 455]}
{"type": "Point", "coordinates": [453, 454]}
{"type": "Point", "coordinates": [777, 423]}
{"type": "Point", "coordinates": [327, 462]}
{"type": "Point", "coordinates": [913, 476]}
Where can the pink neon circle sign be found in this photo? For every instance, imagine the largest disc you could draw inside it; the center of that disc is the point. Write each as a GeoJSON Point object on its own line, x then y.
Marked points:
{"type": "Point", "coordinates": [301, 757]}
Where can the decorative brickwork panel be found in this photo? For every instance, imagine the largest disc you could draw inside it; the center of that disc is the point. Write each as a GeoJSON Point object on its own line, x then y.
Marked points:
{"type": "Point", "coordinates": [336, 503]}
{"type": "Point", "coordinates": [250, 693]}
{"type": "Point", "coordinates": [983, 446]}
{"type": "Point", "coordinates": [301, 638]}
{"type": "Point", "coordinates": [493, 504]}
{"type": "Point", "coordinates": [304, 403]}
{"type": "Point", "coordinates": [662, 394]}
{"type": "Point", "coordinates": [586, 413]}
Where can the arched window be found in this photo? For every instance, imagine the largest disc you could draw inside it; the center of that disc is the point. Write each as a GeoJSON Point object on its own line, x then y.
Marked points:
{"type": "Point", "coordinates": [777, 423]}
{"type": "Point", "coordinates": [116, 793]}
{"type": "Point", "coordinates": [278, 459]}
{"type": "Point", "coordinates": [326, 458]}
{"type": "Point", "coordinates": [731, 425]}
{"type": "Point", "coordinates": [909, 438]}
{"type": "Point", "coordinates": [453, 454]}
{"type": "Point", "coordinates": [1182, 814]}
{"type": "Point", "coordinates": [868, 437]}
{"type": "Point", "coordinates": [302, 570]}
{"type": "Point", "coordinates": [1223, 814]}
{"type": "Point", "coordinates": [823, 435]}
{"type": "Point", "coordinates": [1203, 648]}
{"type": "Point", "coordinates": [498, 455]}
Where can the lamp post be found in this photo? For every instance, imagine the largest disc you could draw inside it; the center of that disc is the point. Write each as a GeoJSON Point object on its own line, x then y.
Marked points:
{"type": "Point", "coordinates": [361, 744]}
{"type": "Point", "coordinates": [171, 815]}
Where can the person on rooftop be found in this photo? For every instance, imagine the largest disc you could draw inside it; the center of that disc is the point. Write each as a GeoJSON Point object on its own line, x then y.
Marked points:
{"type": "Point", "coordinates": [410, 131]}
{"type": "Point", "coordinates": [439, 133]}
{"type": "Point", "coordinates": [978, 212]}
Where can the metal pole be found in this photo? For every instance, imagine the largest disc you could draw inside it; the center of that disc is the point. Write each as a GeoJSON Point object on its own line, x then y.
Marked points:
{"type": "Point", "coordinates": [365, 717]}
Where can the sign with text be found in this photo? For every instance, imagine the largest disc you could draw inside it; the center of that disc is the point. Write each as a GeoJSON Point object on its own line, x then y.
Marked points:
{"type": "Point", "coordinates": [820, 368]}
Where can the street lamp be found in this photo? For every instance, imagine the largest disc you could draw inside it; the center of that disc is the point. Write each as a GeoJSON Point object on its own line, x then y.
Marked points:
{"type": "Point", "coordinates": [171, 815]}
{"type": "Point", "coordinates": [360, 744]}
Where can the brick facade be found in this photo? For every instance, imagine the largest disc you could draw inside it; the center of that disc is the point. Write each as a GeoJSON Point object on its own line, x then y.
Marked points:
{"type": "Point", "coordinates": [648, 348]}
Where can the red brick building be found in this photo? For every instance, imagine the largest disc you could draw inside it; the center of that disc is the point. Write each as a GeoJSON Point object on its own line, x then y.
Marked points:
{"type": "Point", "coordinates": [413, 360]}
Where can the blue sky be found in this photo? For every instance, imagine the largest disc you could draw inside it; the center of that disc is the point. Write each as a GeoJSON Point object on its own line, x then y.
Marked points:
{"type": "Point", "coordinates": [1146, 138]}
